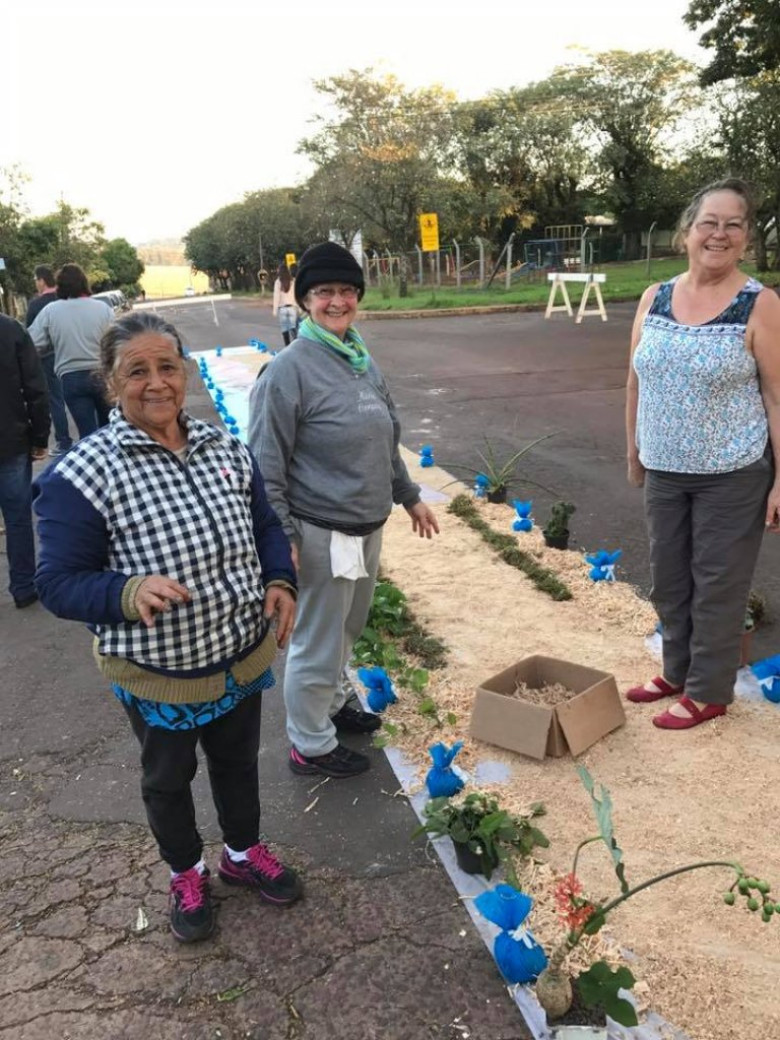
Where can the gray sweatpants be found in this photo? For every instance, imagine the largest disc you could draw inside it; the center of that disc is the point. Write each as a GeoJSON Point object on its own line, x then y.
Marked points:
{"type": "Point", "coordinates": [330, 616]}
{"type": "Point", "coordinates": [705, 533]}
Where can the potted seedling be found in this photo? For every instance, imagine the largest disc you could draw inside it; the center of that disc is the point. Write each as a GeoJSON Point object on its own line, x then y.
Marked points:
{"type": "Point", "coordinates": [755, 614]}
{"type": "Point", "coordinates": [484, 835]}
{"type": "Point", "coordinates": [498, 475]}
{"type": "Point", "coordinates": [599, 987]}
{"type": "Point", "coordinates": [556, 531]}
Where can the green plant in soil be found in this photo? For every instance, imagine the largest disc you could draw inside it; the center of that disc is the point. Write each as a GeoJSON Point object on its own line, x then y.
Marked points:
{"type": "Point", "coordinates": [501, 474]}
{"type": "Point", "coordinates": [490, 832]}
{"type": "Point", "coordinates": [755, 614]}
{"type": "Point", "coordinates": [599, 985]}
{"type": "Point", "coordinates": [391, 632]}
{"type": "Point", "coordinates": [506, 546]}
{"type": "Point", "coordinates": [558, 524]}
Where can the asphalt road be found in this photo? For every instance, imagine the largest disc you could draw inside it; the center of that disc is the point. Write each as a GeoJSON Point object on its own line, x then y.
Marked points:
{"type": "Point", "coordinates": [511, 378]}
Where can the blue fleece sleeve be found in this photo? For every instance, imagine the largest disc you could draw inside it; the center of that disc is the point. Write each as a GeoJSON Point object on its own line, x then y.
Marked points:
{"type": "Point", "coordinates": [72, 578]}
{"type": "Point", "coordinates": [273, 545]}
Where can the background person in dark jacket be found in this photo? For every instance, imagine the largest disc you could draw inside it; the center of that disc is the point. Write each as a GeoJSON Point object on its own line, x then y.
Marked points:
{"type": "Point", "coordinates": [24, 434]}
{"type": "Point", "coordinates": [47, 293]}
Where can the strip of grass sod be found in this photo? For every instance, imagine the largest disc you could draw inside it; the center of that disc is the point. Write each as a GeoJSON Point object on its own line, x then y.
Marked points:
{"type": "Point", "coordinates": [506, 547]}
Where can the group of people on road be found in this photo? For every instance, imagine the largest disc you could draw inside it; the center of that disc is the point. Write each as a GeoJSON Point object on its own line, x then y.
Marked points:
{"type": "Point", "coordinates": [193, 557]}
{"type": "Point", "coordinates": [159, 531]}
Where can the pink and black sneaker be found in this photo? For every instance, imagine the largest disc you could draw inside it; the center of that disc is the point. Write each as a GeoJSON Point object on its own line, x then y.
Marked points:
{"type": "Point", "coordinates": [263, 872]}
{"type": "Point", "coordinates": [189, 906]}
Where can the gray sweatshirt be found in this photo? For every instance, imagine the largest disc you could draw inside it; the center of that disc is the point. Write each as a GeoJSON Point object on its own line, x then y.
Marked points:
{"type": "Point", "coordinates": [326, 439]}
{"type": "Point", "coordinates": [72, 329]}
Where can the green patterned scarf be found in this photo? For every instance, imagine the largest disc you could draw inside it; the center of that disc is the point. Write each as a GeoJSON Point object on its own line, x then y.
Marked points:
{"type": "Point", "coordinates": [351, 348]}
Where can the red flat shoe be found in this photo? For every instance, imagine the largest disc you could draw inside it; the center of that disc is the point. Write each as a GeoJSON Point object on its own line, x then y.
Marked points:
{"type": "Point", "coordinates": [695, 715]}
{"type": "Point", "coordinates": [641, 695]}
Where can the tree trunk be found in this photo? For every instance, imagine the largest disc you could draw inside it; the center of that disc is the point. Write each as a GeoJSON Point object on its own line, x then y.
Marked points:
{"type": "Point", "coordinates": [403, 274]}
{"type": "Point", "coordinates": [761, 257]}
{"type": "Point", "coordinates": [632, 243]}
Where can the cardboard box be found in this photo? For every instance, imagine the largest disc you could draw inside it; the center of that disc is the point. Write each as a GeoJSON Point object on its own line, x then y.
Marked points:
{"type": "Point", "coordinates": [498, 717]}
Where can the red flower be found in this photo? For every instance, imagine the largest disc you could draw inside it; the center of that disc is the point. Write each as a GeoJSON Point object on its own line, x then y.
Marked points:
{"type": "Point", "coordinates": [573, 910]}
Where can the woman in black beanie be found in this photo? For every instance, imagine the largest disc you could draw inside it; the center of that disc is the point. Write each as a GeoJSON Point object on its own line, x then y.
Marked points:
{"type": "Point", "coordinates": [325, 432]}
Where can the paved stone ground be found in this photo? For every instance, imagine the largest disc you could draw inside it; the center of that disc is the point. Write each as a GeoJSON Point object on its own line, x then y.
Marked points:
{"type": "Point", "coordinates": [379, 948]}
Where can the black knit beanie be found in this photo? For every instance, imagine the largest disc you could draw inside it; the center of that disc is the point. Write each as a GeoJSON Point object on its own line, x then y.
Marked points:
{"type": "Point", "coordinates": [327, 262]}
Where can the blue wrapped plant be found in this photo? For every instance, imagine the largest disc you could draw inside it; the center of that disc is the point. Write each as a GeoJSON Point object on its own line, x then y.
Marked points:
{"type": "Point", "coordinates": [519, 956]}
{"type": "Point", "coordinates": [523, 520]}
{"type": "Point", "coordinates": [768, 674]}
{"type": "Point", "coordinates": [444, 779]}
{"type": "Point", "coordinates": [602, 564]}
{"type": "Point", "coordinates": [380, 688]}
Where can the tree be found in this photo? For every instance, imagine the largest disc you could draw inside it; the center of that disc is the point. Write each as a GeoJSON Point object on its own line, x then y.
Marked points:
{"type": "Point", "coordinates": [122, 262]}
{"type": "Point", "coordinates": [227, 244]}
{"type": "Point", "coordinates": [79, 239]}
{"type": "Point", "coordinates": [632, 105]}
{"type": "Point", "coordinates": [750, 134]}
{"type": "Point", "coordinates": [12, 180]}
{"type": "Point", "coordinates": [381, 154]}
{"type": "Point", "coordinates": [525, 157]}
{"type": "Point", "coordinates": [745, 36]}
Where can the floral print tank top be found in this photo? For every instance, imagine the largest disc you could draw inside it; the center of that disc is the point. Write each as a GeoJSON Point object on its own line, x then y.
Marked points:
{"type": "Point", "coordinates": [700, 407]}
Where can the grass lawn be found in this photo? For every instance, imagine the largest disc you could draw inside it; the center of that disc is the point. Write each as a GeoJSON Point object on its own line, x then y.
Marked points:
{"type": "Point", "coordinates": [625, 281]}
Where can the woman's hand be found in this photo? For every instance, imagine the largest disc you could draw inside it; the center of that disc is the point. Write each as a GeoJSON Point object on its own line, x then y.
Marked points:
{"type": "Point", "coordinates": [157, 594]}
{"type": "Point", "coordinates": [424, 520]}
{"type": "Point", "coordinates": [773, 509]}
{"type": "Point", "coordinates": [636, 471]}
{"type": "Point", "coordinates": [279, 603]}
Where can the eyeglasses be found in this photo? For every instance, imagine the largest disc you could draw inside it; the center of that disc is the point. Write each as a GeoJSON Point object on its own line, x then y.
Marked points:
{"type": "Point", "coordinates": [327, 292]}
{"type": "Point", "coordinates": [728, 227]}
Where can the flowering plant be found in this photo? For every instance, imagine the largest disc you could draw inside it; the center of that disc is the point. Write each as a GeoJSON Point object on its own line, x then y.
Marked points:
{"type": "Point", "coordinates": [600, 986]}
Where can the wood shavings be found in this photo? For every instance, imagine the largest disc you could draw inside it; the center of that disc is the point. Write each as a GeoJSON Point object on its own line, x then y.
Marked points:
{"type": "Point", "coordinates": [546, 696]}
{"type": "Point", "coordinates": [708, 793]}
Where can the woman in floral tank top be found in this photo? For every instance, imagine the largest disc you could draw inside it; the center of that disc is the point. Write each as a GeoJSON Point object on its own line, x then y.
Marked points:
{"type": "Point", "coordinates": [703, 432]}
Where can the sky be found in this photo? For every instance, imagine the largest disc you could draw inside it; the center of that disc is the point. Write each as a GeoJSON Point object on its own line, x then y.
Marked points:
{"type": "Point", "coordinates": [155, 114]}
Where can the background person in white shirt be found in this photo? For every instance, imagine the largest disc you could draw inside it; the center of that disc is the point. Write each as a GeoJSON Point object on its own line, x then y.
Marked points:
{"type": "Point", "coordinates": [285, 307]}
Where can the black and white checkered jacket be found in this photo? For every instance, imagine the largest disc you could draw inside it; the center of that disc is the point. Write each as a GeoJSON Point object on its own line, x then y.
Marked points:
{"type": "Point", "coordinates": [120, 505]}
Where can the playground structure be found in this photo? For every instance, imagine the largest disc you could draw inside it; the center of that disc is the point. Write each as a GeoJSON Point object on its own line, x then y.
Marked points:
{"type": "Point", "coordinates": [564, 247]}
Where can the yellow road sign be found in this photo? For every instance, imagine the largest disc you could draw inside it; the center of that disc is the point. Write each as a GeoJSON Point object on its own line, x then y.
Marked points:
{"type": "Point", "coordinates": [429, 232]}
{"type": "Point", "coordinates": [289, 259]}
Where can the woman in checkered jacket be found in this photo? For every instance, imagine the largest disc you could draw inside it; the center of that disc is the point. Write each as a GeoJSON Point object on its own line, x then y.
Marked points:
{"type": "Point", "coordinates": [156, 531]}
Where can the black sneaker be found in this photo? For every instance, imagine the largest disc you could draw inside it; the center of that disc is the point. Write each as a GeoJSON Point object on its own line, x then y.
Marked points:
{"type": "Point", "coordinates": [355, 720]}
{"type": "Point", "coordinates": [339, 763]}
{"type": "Point", "coordinates": [189, 905]}
{"type": "Point", "coordinates": [26, 601]}
{"type": "Point", "coordinates": [263, 872]}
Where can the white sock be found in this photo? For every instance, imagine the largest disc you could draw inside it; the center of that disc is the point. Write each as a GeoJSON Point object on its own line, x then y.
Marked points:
{"type": "Point", "coordinates": [236, 857]}
{"type": "Point", "coordinates": [200, 866]}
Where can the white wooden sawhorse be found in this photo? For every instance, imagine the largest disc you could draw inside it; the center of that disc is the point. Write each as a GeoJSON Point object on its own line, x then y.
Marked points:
{"type": "Point", "coordinates": [559, 279]}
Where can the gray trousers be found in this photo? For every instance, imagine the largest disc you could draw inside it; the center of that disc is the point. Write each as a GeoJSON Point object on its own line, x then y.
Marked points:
{"type": "Point", "coordinates": [705, 533]}
{"type": "Point", "coordinates": [330, 616]}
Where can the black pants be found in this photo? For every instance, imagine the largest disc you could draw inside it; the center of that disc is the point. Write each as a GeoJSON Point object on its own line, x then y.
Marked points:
{"type": "Point", "coordinates": [169, 764]}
